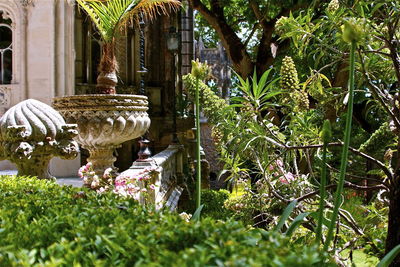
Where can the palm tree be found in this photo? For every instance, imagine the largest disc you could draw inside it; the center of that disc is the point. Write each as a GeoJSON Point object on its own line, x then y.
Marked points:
{"type": "Point", "coordinates": [111, 16]}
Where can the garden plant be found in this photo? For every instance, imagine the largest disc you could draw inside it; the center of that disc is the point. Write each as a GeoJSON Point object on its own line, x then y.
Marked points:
{"type": "Point", "coordinates": [309, 140]}
{"type": "Point", "coordinates": [110, 18]}
{"type": "Point", "coordinates": [43, 224]}
{"type": "Point", "coordinates": [269, 133]}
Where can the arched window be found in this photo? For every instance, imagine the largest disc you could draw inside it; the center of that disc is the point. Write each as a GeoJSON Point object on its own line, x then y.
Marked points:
{"type": "Point", "coordinates": [6, 49]}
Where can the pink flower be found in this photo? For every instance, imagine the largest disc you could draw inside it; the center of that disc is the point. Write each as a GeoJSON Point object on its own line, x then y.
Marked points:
{"type": "Point", "coordinates": [88, 166]}
{"type": "Point", "coordinates": [289, 176]}
{"type": "Point", "coordinates": [152, 187]}
{"type": "Point", "coordinates": [271, 167]}
{"type": "Point", "coordinates": [279, 163]}
{"type": "Point", "coordinates": [95, 183]}
{"type": "Point", "coordinates": [107, 173]}
{"type": "Point", "coordinates": [283, 180]}
{"type": "Point", "coordinates": [101, 190]}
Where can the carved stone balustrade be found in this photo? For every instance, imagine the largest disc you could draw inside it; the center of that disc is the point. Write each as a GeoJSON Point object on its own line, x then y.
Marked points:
{"type": "Point", "coordinates": [31, 133]}
{"type": "Point", "coordinates": [104, 123]}
{"type": "Point", "coordinates": [169, 162]}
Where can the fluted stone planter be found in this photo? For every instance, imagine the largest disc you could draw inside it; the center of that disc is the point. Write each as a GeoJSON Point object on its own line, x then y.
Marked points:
{"type": "Point", "coordinates": [104, 123]}
{"type": "Point", "coordinates": [31, 133]}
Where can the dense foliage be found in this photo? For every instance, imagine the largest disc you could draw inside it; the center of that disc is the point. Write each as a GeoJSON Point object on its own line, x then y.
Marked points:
{"type": "Point", "coordinates": [214, 204]}
{"type": "Point", "coordinates": [344, 56]}
{"type": "Point", "coordinates": [246, 29]}
{"type": "Point", "coordinates": [273, 141]}
{"type": "Point", "coordinates": [42, 224]}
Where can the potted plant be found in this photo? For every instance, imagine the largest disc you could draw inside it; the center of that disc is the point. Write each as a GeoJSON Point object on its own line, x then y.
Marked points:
{"type": "Point", "coordinates": [110, 16]}
{"type": "Point", "coordinates": [106, 120]}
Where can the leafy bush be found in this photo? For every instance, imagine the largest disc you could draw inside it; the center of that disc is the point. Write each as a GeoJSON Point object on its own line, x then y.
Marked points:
{"type": "Point", "coordinates": [213, 202]}
{"type": "Point", "coordinates": [43, 224]}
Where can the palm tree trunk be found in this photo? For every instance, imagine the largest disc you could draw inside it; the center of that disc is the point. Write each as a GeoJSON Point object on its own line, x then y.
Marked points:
{"type": "Point", "coordinates": [107, 79]}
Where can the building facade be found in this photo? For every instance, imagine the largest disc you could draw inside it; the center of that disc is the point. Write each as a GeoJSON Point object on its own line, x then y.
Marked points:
{"type": "Point", "coordinates": [49, 48]}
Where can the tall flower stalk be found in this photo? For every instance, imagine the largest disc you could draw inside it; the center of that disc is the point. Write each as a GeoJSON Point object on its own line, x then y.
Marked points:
{"type": "Point", "coordinates": [199, 71]}
{"type": "Point", "coordinates": [198, 160]}
{"type": "Point", "coordinates": [352, 33]}
{"type": "Point", "coordinates": [326, 135]}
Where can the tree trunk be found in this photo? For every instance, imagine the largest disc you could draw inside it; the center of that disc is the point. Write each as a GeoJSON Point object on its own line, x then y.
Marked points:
{"type": "Point", "coordinates": [108, 67]}
{"type": "Point", "coordinates": [393, 233]}
{"type": "Point", "coordinates": [235, 49]}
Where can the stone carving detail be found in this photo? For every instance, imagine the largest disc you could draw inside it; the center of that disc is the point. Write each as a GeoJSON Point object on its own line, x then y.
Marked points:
{"type": "Point", "coordinates": [31, 133]}
{"type": "Point", "coordinates": [26, 3]}
{"type": "Point", "coordinates": [104, 123]}
{"type": "Point", "coordinates": [169, 163]}
{"type": "Point", "coordinates": [4, 97]}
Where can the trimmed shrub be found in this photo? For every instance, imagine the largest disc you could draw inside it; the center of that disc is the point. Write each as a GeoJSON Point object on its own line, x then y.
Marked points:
{"type": "Point", "coordinates": [213, 201]}
{"type": "Point", "coordinates": [43, 224]}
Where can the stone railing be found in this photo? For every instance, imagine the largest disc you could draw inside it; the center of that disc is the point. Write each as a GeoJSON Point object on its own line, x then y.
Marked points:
{"type": "Point", "coordinates": [169, 164]}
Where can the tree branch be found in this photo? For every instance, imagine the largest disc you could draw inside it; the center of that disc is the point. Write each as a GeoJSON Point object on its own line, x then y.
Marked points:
{"type": "Point", "coordinates": [257, 12]}
{"type": "Point", "coordinates": [378, 95]}
{"type": "Point", "coordinates": [216, 8]}
{"type": "Point", "coordinates": [347, 185]}
{"type": "Point", "coordinates": [235, 49]}
{"type": "Point", "coordinates": [359, 177]}
{"type": "Point", "coordinates": [255, 27]}
{"type": "Point", "coordinates": [380, 164]}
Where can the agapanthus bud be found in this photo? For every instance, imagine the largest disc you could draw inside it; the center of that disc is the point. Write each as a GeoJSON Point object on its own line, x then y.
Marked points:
{"type": "Point", "coordinates": [353, 30]}
{"type": "Point", "coordinates": [326, 133]}
{"type": "Point", "coordinates": [200, 70]}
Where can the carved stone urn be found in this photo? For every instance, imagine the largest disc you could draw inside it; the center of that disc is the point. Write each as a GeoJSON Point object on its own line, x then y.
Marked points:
{"type": "Point", "coordinates": [31, 133]}
{"type": "Point", "coordinates": [104, 123]}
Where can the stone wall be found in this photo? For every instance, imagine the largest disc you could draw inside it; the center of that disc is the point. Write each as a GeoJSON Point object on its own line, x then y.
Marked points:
{"type": "Point", "coordinates": [45, 46]}
{"type": "Point", "coordinates": [43, 59]}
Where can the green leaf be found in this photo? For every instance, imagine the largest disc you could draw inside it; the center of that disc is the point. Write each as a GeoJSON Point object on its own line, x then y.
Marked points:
{"type": "Point", "coordinates": [255, 85]}
{"type": "Point", "coordinates": [285, 215]}
{"type": "Point", "coordinates": [263, 80]}
{"type": "Point", "coordinates": [197, 213]}
{"type": "Point", "coordinates": [296, 223]}
{"type": "Point", "coordinates": [387, 260]}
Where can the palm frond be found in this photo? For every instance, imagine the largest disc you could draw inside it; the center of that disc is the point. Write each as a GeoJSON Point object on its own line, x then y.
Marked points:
{"type": "Point", "coordinates": [110, 15]}
{"type": "Point", "coordinates": [151, 8]}
{"type": "Point", "coordinates": [86, 6]}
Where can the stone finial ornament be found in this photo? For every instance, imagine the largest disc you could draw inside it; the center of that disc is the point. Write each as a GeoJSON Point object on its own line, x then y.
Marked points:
{"type": "Point", "coordinates": [31, 133]}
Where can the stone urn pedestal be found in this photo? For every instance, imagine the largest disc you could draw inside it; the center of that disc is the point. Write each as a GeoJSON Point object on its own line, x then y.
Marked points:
{"type": "Point", "coordinates": [31, 133]}
{"type": "Point", "coordinates": [104, 123]}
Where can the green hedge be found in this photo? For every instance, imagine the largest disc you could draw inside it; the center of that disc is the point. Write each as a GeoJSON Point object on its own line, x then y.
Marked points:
{"type": "Point", "coordinates": [43, 224]}
{"type": "Point", "coordinates": [213, 201]}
